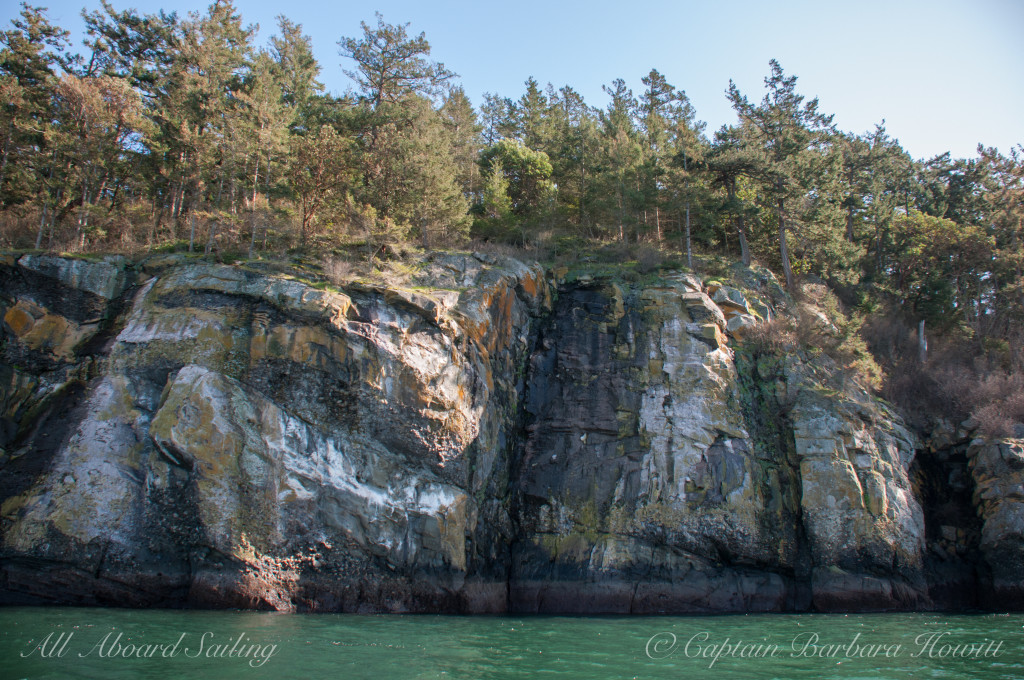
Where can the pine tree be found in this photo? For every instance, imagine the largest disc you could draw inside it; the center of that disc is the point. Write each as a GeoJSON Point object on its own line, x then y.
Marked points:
{"type": "Point", "coordinates": [1004, 197]}
{"type": "Point", "coordinates": [788, 131]}
{"type": "Point", "coordinates": [460, 121]}
{"type": "Point", "coordinates": [674, 150]}
{"type": "Point", "coordinates": [530, 115]}
{"type": "Point", "coordinates": [32, 53]}
{"type": "Point", "coordinates": [394, 77]}
{"type": "Point", "coordinates": [729, 161]}
{"type": "Point", "coordinates": [621, 155]}
{"type": "Point", "coordinates": [527, 172]}
{"type": "Point", "coordinates": [205, 109]}
{"type": "Point", "coordinates": [496, 117]}
{"type": "Point", "coordinates": [434, 202]}
{"type": "Point", "coordinates": [296, 71]}
{"type": "Point", "coordinates": [573, 147]}
{"type": "Point", "coordinates": [390, 65]}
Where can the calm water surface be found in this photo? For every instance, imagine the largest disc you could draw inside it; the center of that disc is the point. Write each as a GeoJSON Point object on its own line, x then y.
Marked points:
{"type": "Point", "coordinates": [106, 643]}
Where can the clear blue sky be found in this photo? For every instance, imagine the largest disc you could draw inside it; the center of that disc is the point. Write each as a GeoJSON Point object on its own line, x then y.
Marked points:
{"type": "Point", "coordinates": [944, 74]}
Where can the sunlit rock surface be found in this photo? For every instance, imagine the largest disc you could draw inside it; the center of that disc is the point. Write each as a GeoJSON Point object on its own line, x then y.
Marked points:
{"type": "Point", "coordinates": [998, 472]}
{"type": "Point", "coordinates": [494, 437]}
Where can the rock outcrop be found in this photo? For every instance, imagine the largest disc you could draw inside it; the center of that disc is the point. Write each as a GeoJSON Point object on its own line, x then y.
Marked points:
{"type": "Point", "coordinates": [998, 472]}
{"type": "Point", "coordinates": [655, 479]}
{"type": "Point", "coordinates": [495, 438]}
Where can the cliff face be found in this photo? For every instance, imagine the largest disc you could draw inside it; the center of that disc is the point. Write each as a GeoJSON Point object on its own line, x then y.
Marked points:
{"type": "Point", "coordinates": [661, 474]}
{"type": "Point", "coordinates": [496, 439]}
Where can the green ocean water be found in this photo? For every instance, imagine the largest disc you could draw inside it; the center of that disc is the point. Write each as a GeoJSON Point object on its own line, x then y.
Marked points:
{"type": "Point", "coordinates": [118, 643]}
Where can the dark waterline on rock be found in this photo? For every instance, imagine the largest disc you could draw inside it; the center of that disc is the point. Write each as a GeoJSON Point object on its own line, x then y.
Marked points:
{"type": "Point", "coordinates": [232, 644]}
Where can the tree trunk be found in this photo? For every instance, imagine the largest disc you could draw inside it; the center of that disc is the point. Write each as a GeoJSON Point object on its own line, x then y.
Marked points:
{"type": "Point", "coordinates": [922, 343]}
{"type": "Point", "coordinates": [741, 231]}
{"type": "Point", "coordinates": [53, 219]}
{"type": "Point", "coordinates": [255, 179]}
{"type": "Point", "coordinates": [177, 198]}
{"type": "Point", "coordinates": [98, 196]}
{"type": "Point", "coordinates": [6, 153]}
{"type": "Point", "coordinates": [307, 218]}
{"type": "Point", "coordinates": [583, 191]}
{"type": "Point", "coordinates": [849, 224]}
{"type": "Point", "coordinates": [689, 248]}
{"type": "Point", "coordinates": [252, 242]}
{"type": "Point", "coordinates": [211, 237]}
{"type": "Point", "coordinates": [42, 226]}
{"type": "Point", "coordinates": [783, 247]}
{"type": "Point", "coordinates": [82, 219]}
{"type": "Point", "coordinates": [878, 248]}
{"type": "Point", "coordinates": [686, 187]}
{"type": "Point", "coordinates": [174, 200]}
{"type": "Point", "coordinates": [158, 214]}
{"type": "Point", "coordinates": [192, 234]}
{"type": "Point", "coordinates": [113, 196]}
{"type": "Point", "coordinates": [622, 219]}
{"type": "Point", "coordinates": [741, 227]}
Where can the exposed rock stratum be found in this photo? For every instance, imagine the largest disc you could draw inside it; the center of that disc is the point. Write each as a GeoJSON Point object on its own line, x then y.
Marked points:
{"type": "Point", "coordinates": [500, 437]}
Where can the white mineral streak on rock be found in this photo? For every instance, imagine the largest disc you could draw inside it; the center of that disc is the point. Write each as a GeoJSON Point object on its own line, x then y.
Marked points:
{"type": "Point", "coordinates": [683, 410]}
{"type": "Point", "coordinates": [104, 278]}
{"type": "Point", "coordinates": [89, 496]}
{"type": "Point", "coordinates": [239, 440]}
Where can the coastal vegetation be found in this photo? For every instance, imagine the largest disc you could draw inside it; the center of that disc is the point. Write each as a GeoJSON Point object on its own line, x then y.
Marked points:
{"type": "Point", "coordinates": [179, 133]}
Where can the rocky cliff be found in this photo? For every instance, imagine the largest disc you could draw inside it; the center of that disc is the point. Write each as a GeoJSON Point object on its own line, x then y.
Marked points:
{"type": "Point", "coordinates": [493, 437]}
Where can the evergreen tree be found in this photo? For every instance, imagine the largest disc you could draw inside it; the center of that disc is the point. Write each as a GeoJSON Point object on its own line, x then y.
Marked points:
{"type": "Point", "coordinates": [530, 116]}
{"type": "Point", "coordinates": [887, 190]}
{"type": "Point", "coordinates": [295, 71]}
{"type": "Point", "coordinates": [496, 117]}
{"type": "Point", "coordinates": [395, 79]}
{"type": "Point", "coordinates": [729, 161]}
{"type": "Point", "coordinates": [320, 174]}
{"type": "Point", "coordinates": [788, 132]}
{"type": "Point", "coordinates": [675, 149]}
{"type": "Point", "coordinates": [460, 121]}
{"type": "Point", "coordinates": [390, 65]}
{"type": "Point", "coordinates": [1004, 220]}
{"type": "Point", "coordinates": [621, 155]}
{"type": "Point", "coordinates": [526, 171]}
{"type": "Point", "coordinates": [574, 147]}
{"type": "Point", "coordinates": [32, 53]}
{"type": "Point", "coordinates": [433, 202]}
{"type": "Point", "coordinates": [96, 118]}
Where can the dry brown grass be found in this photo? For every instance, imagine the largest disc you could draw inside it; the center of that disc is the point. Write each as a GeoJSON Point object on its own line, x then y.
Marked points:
{"type": "Point", "coordinates": [775, 337]}
{"type": "Point", "coordinates": [338, 270]}
{"type": "Point", "coordinates": [648, 259]}
{"type": "Point", "coordinates": [957, 381]}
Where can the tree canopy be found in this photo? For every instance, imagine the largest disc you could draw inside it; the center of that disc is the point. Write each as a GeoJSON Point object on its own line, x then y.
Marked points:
{"type": "Point", "coordinates": [180, 132]}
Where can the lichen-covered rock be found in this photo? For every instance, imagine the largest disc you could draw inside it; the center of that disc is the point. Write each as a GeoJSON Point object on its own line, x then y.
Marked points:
{"type": "Point", "coordinates": [860, 515]}
{"type": "Point", "coordinates": [998, 471]}
{"type": "Point", "coordinates": [738, 323]}
{"type": "Point", "coordinates": [104, 278]}
{"type": "Point", "coordinates": [728, 298]}
{"type": "Point", "coordinates": [250, 440]}
{"type": "Point", "coordinates": [644, 488]}
{"type": "Point", "coordinates": [495, 437]}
